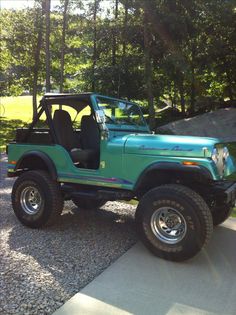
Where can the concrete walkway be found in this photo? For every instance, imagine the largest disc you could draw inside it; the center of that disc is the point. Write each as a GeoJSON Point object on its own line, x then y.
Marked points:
{"type": "Point", "coordinates": [139, 283]}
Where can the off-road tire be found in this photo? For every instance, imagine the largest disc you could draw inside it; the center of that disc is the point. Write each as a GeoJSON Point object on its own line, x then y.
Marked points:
{"type": "Point", "coordinates": [191, 208]}
{"type": "Point", "coordinates": [88, 204]}
{"type": "Point", "coordinates": [51, 204]}
{"type": "Point", "coordinates": [220, 213]}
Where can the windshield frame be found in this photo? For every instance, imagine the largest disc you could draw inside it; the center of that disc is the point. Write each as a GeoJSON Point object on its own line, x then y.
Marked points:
{"type": "Point", "coordinates": [123, 126]}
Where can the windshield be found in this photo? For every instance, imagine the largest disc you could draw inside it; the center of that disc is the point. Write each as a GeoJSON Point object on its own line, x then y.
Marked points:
{"type": "Point", "coordinates": [121, 112]}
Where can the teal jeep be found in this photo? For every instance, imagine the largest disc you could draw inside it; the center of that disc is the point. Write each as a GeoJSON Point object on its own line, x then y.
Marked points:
{"type": "Point", "coordinates": [96, 148]}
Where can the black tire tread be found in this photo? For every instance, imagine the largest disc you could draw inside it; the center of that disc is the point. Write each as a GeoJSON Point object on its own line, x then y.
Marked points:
{"type": "Point", "coordinates": [187, 193]}
{"type": "Point", "coordinates": [54, 191]}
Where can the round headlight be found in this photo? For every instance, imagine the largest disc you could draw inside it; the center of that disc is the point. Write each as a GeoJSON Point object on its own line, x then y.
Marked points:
{"type": "Point", "coordinates": [215, 155]}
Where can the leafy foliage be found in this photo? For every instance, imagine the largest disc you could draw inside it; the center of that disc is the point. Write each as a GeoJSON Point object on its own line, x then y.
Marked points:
{"type": "Point", "coordinates": [190, 49]}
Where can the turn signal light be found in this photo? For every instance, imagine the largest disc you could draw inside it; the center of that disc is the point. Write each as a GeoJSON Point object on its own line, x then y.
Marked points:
{"type": "Point", "coordinates": [189, 163]}
{"type": "Point", "coordinates": [12, 162]}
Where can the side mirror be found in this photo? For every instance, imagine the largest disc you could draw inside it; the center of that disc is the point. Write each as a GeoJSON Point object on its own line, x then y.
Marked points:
{"type": "Point", "coordinates": [101, 120]}
{"type": "Point", "coordinates": [100, 116]}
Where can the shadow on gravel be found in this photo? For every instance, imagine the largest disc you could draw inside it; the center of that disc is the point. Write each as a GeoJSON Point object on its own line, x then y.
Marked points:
{"type": "Point", "coordinates": [5, 189]}
{"type": "Point", "coordinates": [5, 193]}
{"type": "Point", "coordinates": [79, 247]}
{"type": "Point", "coordinates": [49, 265]}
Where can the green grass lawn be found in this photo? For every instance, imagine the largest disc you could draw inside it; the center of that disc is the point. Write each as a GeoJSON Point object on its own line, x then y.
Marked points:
{"type": "Point", "coordinates": [19, 107]}
{"type": "Point", "coordinates": [15, 112]}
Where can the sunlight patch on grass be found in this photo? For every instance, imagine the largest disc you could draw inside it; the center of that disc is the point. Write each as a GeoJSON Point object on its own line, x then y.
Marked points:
{"type": "Point", "coordinates": [17, 112]}
{"type": "Point", "coordinates": [19, 107]}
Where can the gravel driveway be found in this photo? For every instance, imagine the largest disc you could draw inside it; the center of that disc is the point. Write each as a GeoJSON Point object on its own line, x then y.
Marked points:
{"type": "Point", "coordinates": [41, 269]}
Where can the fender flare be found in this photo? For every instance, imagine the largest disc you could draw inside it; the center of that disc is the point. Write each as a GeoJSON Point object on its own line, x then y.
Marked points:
{"type": "Point", "coordinates": [44, 157]}
{"type": "Point", "coordinates": [198, 170]}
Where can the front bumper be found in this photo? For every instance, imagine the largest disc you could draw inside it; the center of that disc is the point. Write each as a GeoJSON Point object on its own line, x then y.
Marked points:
{"type": "Point", "coordinates": [231, 194]}
{"type": "Point", "coordinates": [221, 192]}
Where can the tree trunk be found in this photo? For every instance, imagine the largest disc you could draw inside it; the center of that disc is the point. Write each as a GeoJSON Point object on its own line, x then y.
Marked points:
{"type": "Point", "coordinates": [115, 72]}
{"type": "Point", "coordinates": [63, 44]}
{"type": "Point", "coordinates": [123, 69]}
{"type": "Point", "coordinates": [47, 9]}
{"type": "Point", "coordinates": [193, 92]}
{"type": "Point", "coordinates": [124, 44]}
{"type": "Point", "coordinates": [193, 83]}
{"type": "Point", "coordinates": [180, 84]}
{"type": "Point", "coordinates": [230, 84]}
{"type": "Point", "coordinates": [39, 26]}
{"type": "Point", "coordinates": [148, 72]}
{"type": "Point", "coordinates": [182, 99]}
{"type": "Point", "coordinates": [114, 33]}
{"type": "Point", "coordinates": [94, 43]}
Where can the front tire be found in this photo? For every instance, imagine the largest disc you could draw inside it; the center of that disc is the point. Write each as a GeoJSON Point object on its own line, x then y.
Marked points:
{"type": "Point", "coordinates": [36, 199]}
{"type": "Point", "coordinates": [174, 222]}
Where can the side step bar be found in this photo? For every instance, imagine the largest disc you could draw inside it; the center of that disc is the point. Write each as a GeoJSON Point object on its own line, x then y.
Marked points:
{"type": "Point", "coordinates": [102, 194]}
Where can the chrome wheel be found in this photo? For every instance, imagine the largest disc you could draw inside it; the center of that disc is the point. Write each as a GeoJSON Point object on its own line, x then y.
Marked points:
{"type": "Point", "coordinates": [31, 200]}
{"type": "Point", "coordinates": [168, 225]}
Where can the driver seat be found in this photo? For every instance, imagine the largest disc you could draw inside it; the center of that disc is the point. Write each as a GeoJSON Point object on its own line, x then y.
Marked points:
{"type": "Point", "coordinates": [66, 137]}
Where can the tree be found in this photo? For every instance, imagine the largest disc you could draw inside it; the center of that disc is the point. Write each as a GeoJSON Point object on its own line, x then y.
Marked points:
{"type": "Point", "coordinates": [37, 50]}
{"type": "Point", "coordinates": [114, 34]}
{"type": "Point", "coordinates": [64, 28]}
{"type": "Point", "coordinates": [182, 52]}
{"type": "Point", "coordinates": [148, 66]}
{"type": "Point", "coordinates": [94, 61]}
{"type": "Point", "coordinates": [47, 5]}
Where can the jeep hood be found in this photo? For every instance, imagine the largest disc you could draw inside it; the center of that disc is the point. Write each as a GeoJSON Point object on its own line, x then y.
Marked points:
{"type": "Point", "coordinates": [169, 145]}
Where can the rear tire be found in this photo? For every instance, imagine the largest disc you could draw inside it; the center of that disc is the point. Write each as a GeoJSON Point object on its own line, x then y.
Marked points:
{"type": "Point", "coordinates": [88, 204]}
{"type": "Point", "coordinates": [174, 222]}
{"type": "Point", "coordinates": [36, 199]}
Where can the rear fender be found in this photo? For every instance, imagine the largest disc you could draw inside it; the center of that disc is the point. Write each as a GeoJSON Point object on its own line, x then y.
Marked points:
{"type": "Point", "coordinates": [35, 160]}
